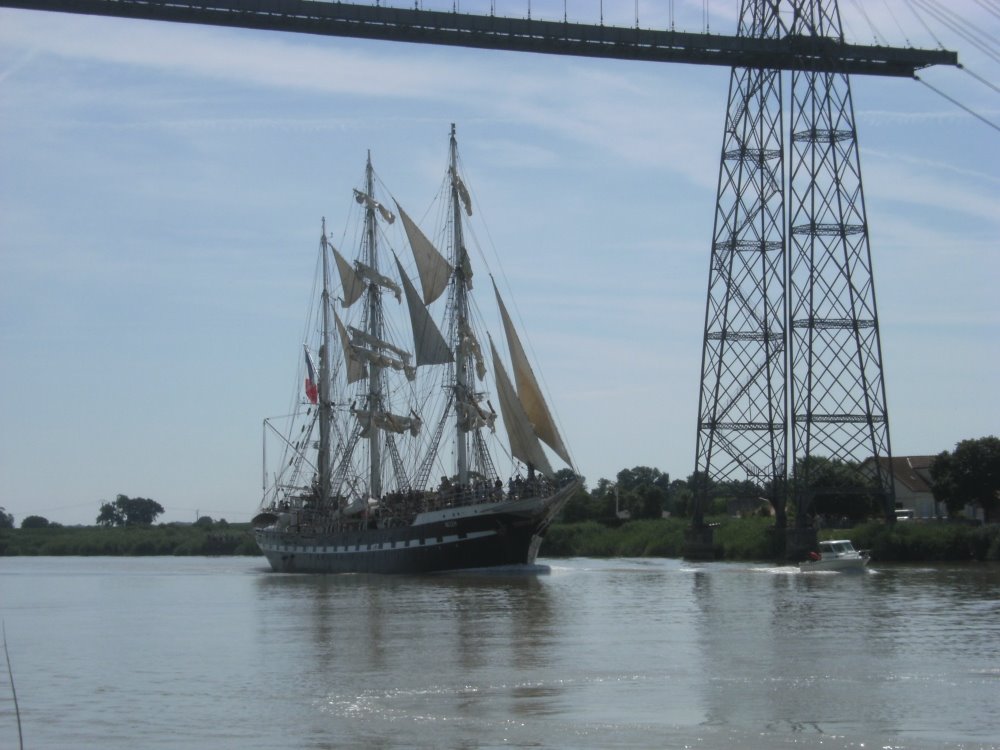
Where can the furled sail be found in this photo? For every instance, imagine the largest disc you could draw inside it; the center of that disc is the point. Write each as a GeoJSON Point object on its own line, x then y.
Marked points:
{"type": "Point", "coordinates": [355, 367]}
{"type": "Point", "coordinates": [528, 392]}
{"type": "Point", "coordinates": [523, 442]}
{"type": "Point", "coordinates": [433, 269]}
{"type": "Point", "coordinates": [351, 283]}
{"type": "Point", "coordinates": [380, 359]}
{"type": "Point", "coordinates": [472, 416]}
{"type": "Point", "coordinates": [365, 199]}
{"type": "Point", "coordinates": [463, 192]}
{"type": "Point", "coordinates": [362, 337]}
{"type": "Point", "coordinates": [371, 275]}
{"type": "Point", "coordinates": [466, 265]}
{"type": "Point", "coordinates": [468, 344]}
{"type": "Point", "coordinates": [429, 345]}
{"type": "Point", "coordinates": [388, 421]}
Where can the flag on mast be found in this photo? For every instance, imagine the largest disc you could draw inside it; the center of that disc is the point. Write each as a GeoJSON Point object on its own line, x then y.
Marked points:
{"type": "Point", "coordinates": [312, 392]}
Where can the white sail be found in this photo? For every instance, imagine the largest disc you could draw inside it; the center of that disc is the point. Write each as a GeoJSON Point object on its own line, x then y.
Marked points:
{"type": "Point", "coordinates": [356, 369]}
{"type": "Point", "coordinates": [433, 269]}
{"type": "Point", "coordinates": [528, 391]}
{"type": "Point", "coordinates": [523, 442]}
{"type": "Point", "coordinates": [429, 345]}
{"type": "Point", "coordinates": [351, 283]}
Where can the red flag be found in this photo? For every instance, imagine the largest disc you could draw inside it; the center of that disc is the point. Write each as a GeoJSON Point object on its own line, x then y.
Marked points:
{"type": "Point", "coordinates": [312, 392]}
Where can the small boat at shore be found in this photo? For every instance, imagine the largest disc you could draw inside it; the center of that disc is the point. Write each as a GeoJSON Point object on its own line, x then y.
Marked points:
{"type": "Point", "coordinates": [401, 395]}
{"type": "Point", "coordinates": [836, 555]}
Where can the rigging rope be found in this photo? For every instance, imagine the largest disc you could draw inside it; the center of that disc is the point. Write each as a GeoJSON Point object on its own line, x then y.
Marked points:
{"type": "Point", "coordinates": [958, 104]}
{"type": "Point", "coordinates": [957, 24]}
{"type": "Point", "coordinates": [923, 23]}
{"type": "Point", "coordinates": [971, 29]}
{"type": "Point", "coordinates": [980, 79]}
{"type": "Point", "coordinates": [896, 21]}
{"type": "Point", "coordinates": [878, 37]}
{"type": "Point", "coordinates": [982, 4]}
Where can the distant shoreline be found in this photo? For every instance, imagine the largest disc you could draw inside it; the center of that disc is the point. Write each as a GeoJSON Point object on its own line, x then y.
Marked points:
{"type": "Point", "coordinates": [134, 541]}
{"type": "Point", "coordinates": [735, 539]}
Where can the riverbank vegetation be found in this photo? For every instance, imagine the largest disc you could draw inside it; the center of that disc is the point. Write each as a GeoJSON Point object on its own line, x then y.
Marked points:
{"type": "Point", "coordinates": [755, 539]}
{"type": "Point", "coordinates": [734, 538]}
{"type": "Point", "coordinates": [165, 539]}
{"type": "Point", "coordinates": [642, 513]}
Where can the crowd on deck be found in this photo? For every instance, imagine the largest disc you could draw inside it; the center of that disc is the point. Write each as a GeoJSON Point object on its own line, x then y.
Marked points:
{"type": "Point", "coordinates": [406, 505]}
{"type": "Point", "coordinates": [401, 507]}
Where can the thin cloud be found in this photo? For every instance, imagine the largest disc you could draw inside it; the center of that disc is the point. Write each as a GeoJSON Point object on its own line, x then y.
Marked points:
{"type": "Point", "coordinates": [569, 99]}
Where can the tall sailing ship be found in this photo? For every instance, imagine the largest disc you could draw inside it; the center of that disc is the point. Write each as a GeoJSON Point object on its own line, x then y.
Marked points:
{"type": "Point", "coordinates": [393, 459]}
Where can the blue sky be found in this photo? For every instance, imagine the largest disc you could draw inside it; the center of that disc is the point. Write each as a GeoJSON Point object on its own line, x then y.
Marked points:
{"type": "Point", "coordinates": [162, 185]}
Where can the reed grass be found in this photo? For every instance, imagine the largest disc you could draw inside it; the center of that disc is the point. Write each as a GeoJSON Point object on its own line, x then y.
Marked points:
{"type": "Point", "coordinates": [88, 541]}
{"type": "Point", "coordinates": [756, 539]}
{"type": "Point", "coordinates": [735, 539]}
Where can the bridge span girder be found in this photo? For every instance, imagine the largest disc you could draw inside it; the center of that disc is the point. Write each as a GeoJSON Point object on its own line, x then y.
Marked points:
{"type": "Point", "coordinates": [790, 52]}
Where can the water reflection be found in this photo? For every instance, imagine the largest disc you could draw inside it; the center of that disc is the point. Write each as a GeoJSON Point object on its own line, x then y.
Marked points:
{"type": "Point", "coordinates": [599, 653]}
{"type": "Point", "coordinates": [424, 648]}
{"type": "Point", "coordinates": [843, 655]}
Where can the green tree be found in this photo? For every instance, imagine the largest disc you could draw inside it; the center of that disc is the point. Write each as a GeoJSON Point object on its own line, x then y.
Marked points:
{"type": "Point", "coordinates": [129, 511]}
{"type": "Point", "coordinates": [642, 476]}
{"type": "Point", "coordinates": [680, 498]}
{"type": "Point", "coordinates": [6, 519]}
{"type": "Point", "coordinates": [110, 515]}
{"type": "Point", "coordinates": [604, 499]}
{"type": "Point", "coordinates": [650, 501]}
{"type": "Point", "coordinates": [970, 474]}
{"type": "Point", "coordinates": [836, 488]}
{"type": "Point", "coordinates": [579, 507]}
{"type": "Point", "coordinates": [34, 522]}
{"type": "Point", "coordinates": [704, 493]}
{"type": "Point", "coordinates": [642, 491]}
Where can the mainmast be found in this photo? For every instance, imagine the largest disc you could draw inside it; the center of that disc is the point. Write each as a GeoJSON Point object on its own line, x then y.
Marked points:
{"type": "Point", "coordinates": [374, 302]}
{"type": "Point", "coordinates": [325, 402]}
{"type": "Point", "coordinates": [463, 358]}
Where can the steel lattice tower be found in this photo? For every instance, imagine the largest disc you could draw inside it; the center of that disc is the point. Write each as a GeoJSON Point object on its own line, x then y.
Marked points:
{"type": "Point", "coordinates": [742, 430]}
{"type": "Point", "coordinates": [791, 362]}
{"type": "Point", "coordinates": [837, 386]}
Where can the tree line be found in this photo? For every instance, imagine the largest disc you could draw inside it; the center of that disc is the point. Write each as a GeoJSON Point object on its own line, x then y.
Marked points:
{"type": "Point", "coordinates": [968, 475]}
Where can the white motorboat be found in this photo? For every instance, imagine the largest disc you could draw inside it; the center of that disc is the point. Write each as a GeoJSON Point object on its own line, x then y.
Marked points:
{"type": "Point", "coordinates": [836, 555]}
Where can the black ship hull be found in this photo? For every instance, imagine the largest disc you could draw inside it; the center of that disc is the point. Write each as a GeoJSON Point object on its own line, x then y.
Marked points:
{"type": "Point", "coordinates": [484, 536]}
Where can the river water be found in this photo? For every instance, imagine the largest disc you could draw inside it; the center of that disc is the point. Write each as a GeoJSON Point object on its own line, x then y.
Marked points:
{"type": "Point", "coordinates": [220, 653]}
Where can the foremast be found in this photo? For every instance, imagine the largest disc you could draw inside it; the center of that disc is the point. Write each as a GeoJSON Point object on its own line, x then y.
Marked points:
{"type": "Point", "coordinates": [370, 360]}
{"type": "Point", "coordinates": [375, 325]}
